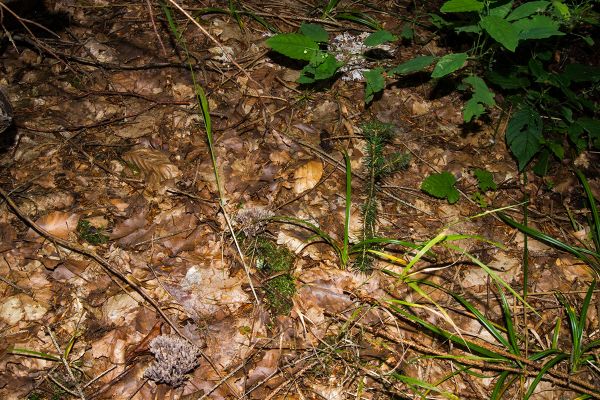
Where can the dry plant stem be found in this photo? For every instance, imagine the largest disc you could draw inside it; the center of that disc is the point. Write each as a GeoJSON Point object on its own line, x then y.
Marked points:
{"type": "Point", "coordinates": [154, 28]}
{"type": "Point", "coordinates": [109, 269]}
{"type": "Point", "coordinates": [66, 364]}
{"type": "Point", "coordinates": [89, 253]}
{"type": "Point", "coordinates": [35, 41]}
{"type": "Point", "coordinates": [287, 382]}
{"type": "Point", "coordinates": [215, 41]}
{"type": "Point", "coordinates": [240, 253]}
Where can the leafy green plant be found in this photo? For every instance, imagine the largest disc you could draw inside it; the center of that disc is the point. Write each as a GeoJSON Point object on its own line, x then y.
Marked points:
{"type": "Point", "coordinates": [505, 351]}
{"type": "Point", "coordinates": [485, 182]}
{"type": "Point", "coordinates": [90, 233]}
{"type": "Point", "coordinates": [310, 46]}
{"type": "Point", "coordinates": [442, 186]}
{"type": "Point", "coordinates": [513, 47]}
{"type": "Point", "coordinates": [580, 352]}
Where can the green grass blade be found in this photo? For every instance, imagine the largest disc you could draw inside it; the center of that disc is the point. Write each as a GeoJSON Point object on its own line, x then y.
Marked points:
{"type": "Point", "coordinates": [543, 354]}
{"type": "Point", "coordinates": [425, 385]}
{"type": "Point", "coordinates": [541, 374]}
{"type": "Point", "coordinates": [499, 387]}
{"type": "Point", "coordinates": [586, 304]}
{"type": "Point", "coordinates": [510, 329]}
{"type": "Point", "coordinates": [494, 357]}
{"type": "Point", "coordinates": [591, 345]}
{"type": "Point", "coordinates": [345, 254]}
{"type": "Point", "coordinates": [329, 7]}
{"type": "Point", "coordinates": [493, 275]}
{"type": "Point", "coordinates": [234, 13]}
{"type": "Point", "coordinates": [311, 227]}
{"type": "Point", "coordinates": [576, 330]}
{"type": "Point", "coordinates": [428, 245]}
{"type": "Point", "coordinates": [69, 347]}
{"type": "Point", "coordinates": [359, 18]}
{"type": "Point", "coordinates": [592, 204]}
{"type": "Point", "coordinates": [556, 334]}
{"type": "Point", "coordinates": [36, 354]}
{"type": "Point", "coordinates": [487, 324]}
{"type": "Point", "coordinates": [576, 251]}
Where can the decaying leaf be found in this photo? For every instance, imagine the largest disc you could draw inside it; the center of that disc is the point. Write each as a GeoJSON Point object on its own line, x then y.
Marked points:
{"type": "Point", "coordinates": [154, 165]}
{"type": "Point", "coordinates": [57, 223]}
{"type": "Point", "coordinates": [307, 176]}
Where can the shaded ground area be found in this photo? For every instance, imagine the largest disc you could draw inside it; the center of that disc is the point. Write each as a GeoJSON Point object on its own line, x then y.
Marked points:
{"type": "Point", "coordinates": [109, 156]}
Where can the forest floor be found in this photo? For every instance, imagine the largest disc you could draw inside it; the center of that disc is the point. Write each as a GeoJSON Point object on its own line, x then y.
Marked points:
{"type": "Point", "coordinates": [112, 232]}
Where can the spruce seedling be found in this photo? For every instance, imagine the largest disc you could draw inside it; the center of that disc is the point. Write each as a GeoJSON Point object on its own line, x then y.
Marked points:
{"type": "Point", "coordinates": [377, 166]}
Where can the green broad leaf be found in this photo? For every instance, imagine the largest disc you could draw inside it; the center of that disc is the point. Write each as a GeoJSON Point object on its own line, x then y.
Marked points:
{"type": "Point", "coordinates": [294, 45]}
{"type": "Point", "coordinates": [543, 164]}
{"type": "Point", "coordinates": [524, 135]}
{"type": "Point", "coordinates": [414, 65]}
{"type": "Point", "coordinates": [537, 27]}
{"type": "Point", "coordinates": [582, 73]}
{"type": "Point", "coordinates": [557, 149]}
{"type": "Point", "coordinates": [485, 180]}
{"type": "Point", "coordinates": [501, 31]}
{"type": "Point", "coordinates": [528, 8]}
{"type": "Point", "coordinates": [507, 81]}
{"type": "Point", "coordinates": [501, 10]}
{"type": "Point", "coordinates": [592, 126]}
{"type": "Point", "coordinates": [562, 10]}
{"type": "Point", "coordinates": [315, 32]}
{"type": "Point", "coordinates": [441, 186]}
{"type": "Point", "coordinates": [439, 22]}
{"type": "Point", "coordinates": [454, 6]}
{"type": "Point", "coordinates": [468, 29]}
{"type": "Point", "coordinates": [407, 32]}
{"type": "Point", "coordinates": [321, 66]}
{"type": "Point", "coordinates": [537, 69]}
{"type": "Point", "coordinates": [575, 134]}
{"type": "Point", "coordinates": [482, 97]}
{"type": "Point", "coordinates": [379, 37]}
{"type": "Point", "coordinates": [375, 82]}
{"type": "Point", "coordinates": [448, 64]}
{"type": "Point", "coordinates": [472, 109]}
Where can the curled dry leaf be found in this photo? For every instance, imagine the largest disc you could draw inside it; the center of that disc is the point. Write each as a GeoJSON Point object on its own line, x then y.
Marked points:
{"type": "Point", "coordinates": [154, 165]}
{"type": "Point", "coordinates": [307, 176]}
{"type": "Point", "coordinates": [57, 223]}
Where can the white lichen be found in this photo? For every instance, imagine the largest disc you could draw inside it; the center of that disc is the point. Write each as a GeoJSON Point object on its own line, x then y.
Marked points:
{"type": "Point", "coordinates": [175, 357]}
{"type": "Point", "coordinates": [350, 49]}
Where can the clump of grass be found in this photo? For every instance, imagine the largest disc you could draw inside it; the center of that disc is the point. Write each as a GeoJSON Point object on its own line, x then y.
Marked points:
{"type": "Point", "coordinates": [378, 166]}
{"type": "Point", "coordinates": [90, 233]}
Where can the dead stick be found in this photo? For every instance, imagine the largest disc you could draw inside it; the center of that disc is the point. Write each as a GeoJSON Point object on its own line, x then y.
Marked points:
{"type": "Point", "coordinates": [108, 268]}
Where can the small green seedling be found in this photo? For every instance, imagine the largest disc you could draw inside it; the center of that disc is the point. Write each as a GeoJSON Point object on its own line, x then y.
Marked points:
{"type": "Point", "coordinates": [441, 186]}
{"type": "Point", "coordinates": [485, 182]}
{"type": "Point", "coordinates": [90, 233]}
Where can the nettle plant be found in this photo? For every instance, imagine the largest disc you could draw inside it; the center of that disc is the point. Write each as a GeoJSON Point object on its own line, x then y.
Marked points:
{"type": "Point", "coordinates": [517, 49]}
{"type": "Point", "coordinates": [345, 54]}
{"type": "Point", "coordinates": [514, 48]}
